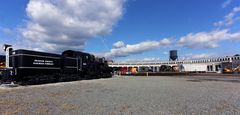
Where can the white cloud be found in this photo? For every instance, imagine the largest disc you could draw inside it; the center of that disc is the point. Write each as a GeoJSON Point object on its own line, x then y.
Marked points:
{"type": "Point", "coordinates": [66, 24]}
{"type": "Point", "coordinates": [207, 39]}
{"type": "Point", "coordinates": [6, 30]}
{"type": "Point", "coordinates": [118, 44]}
{"type": "Point", "coordinates": [226, 3]}
{"type": "Point", "coordinates": [229, 19]}
{"type": "Point", "coordinates": [234, 36]}
{"type": "Point", "coordinates": [136, 48]}
{"type": "Point", "coordinates": [9, 36]}
{"type": "Point", "coordinates": [198, 56]}
{"type": "Point", "coordinates": [151, 59]}
{"type": "Point", "coordinates": [211, 39]}
{"type": "Point", "coordinates": [166, 53]}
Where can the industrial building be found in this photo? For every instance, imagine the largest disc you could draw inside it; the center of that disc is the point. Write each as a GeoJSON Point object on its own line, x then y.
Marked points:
{"type": "Point", "coordinates": [226, 64]}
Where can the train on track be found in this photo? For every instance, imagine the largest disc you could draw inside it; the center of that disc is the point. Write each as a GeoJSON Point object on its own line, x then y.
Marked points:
{"type": "Point", "coordinates": [33, 67]}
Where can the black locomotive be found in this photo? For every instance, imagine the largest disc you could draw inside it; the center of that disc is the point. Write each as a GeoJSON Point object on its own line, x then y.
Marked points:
{"type": "Point", "coordinates": [26, 66]}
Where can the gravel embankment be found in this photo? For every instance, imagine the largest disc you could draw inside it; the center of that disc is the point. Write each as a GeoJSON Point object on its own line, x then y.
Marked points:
{"type": "Point", "coordinates": [125, 96]}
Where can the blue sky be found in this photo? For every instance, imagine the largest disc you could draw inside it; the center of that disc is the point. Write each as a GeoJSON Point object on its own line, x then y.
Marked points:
{"type": "Point", "coordinates": [137, 23]}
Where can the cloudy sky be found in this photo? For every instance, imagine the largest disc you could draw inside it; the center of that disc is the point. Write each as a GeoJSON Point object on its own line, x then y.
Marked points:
{"type": "Point", "coordinates": [123, 29]}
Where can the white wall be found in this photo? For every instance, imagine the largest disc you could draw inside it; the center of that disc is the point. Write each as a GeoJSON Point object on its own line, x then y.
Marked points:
{"type": "Point", "coordinates": [195, 67]}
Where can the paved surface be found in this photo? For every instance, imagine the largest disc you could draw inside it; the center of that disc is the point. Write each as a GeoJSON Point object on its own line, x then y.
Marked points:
{"type": "Point", "coordinates": [126, 96]}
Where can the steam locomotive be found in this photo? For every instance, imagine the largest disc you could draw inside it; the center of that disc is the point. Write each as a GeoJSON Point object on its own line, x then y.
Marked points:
{"type": "Point", "coordinates": [32, 67]}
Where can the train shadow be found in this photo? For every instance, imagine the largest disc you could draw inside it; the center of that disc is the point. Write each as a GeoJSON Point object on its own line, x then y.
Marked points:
{"type": "Point", "coordinates": [54, 82]}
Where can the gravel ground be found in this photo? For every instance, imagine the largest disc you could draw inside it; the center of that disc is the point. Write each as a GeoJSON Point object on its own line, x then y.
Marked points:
{"type": "Point", "coordinates": [126, 96]}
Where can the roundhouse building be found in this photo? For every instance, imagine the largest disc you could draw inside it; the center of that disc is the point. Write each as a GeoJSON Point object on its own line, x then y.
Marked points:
{"type": "Point", "coordinates": [215, 65]}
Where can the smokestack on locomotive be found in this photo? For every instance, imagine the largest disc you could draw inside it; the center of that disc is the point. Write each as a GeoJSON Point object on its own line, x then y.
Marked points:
{"type": "Point", "coordinates": [8, 49]}
{"type": "Point", "coordinates": [173, 55]}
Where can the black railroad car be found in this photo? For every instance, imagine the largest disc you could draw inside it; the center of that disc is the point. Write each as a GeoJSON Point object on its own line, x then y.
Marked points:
{"type": "Point", "coordinates": [103, 70]}
{"type": "Point", "coordinates": [71, 67]}
{"type": "Point", "coordinates": [34, 65]}
{"type": "Point", "coordinates": [88, 66]}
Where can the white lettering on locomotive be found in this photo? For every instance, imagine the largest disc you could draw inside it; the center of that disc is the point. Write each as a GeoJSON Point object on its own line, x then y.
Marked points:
{"type": "Point", "coordinates": [42, 62]}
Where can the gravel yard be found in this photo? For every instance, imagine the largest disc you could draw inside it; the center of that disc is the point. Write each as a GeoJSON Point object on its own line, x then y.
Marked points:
{"type": "Point", "coordinates": [126, 96]}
